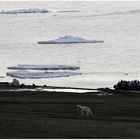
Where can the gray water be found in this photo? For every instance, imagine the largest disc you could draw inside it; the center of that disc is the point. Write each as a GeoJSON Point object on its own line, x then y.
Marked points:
{"type": "Point", "coordinates": [101, 65]}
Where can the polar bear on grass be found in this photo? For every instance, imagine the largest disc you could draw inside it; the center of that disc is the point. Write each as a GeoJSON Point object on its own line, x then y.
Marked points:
{"type": "Point", "coordinates": [84, 110]}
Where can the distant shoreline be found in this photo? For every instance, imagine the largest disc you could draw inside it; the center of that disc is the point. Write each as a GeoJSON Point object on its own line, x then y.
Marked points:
{"type": "Point", "coordinates": [8, 87]}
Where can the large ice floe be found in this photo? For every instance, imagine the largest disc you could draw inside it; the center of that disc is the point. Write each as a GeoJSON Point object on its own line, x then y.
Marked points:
{"type": "Point", "coordinates": [44, 67]}
{"type": "Point", "coordinates": [42, 71]}
{"type": "Point", "coordinates": [37, 75]}
{"type": "Point", "coordinates": [69, 39]}
{"type": "Point", "coordinates": [24, 11]}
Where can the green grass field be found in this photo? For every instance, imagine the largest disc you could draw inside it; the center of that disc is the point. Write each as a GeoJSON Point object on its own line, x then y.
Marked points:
{"type": "Point", "coordinates": [54, 115]}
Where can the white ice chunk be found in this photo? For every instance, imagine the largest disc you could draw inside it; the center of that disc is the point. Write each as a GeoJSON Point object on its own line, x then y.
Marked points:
{"type": "Point", "coordinates": [70, 39]}
{"type": "Point", "coordinates": [45, 67]}
{"type": "Point", "coordinates": [25, 11]}
{"type": "Point", "coordinates": [33, 10]}
{"type": "Point", "coordinates": [30, 75]}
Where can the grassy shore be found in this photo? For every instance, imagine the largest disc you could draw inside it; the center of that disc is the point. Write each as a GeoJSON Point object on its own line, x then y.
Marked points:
{"type": "Point", "coordinates": [40, 114]}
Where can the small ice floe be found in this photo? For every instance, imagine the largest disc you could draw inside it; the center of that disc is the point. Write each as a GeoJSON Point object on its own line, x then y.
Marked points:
{"type": "Point", "coordinates": [69, 39]}
{"type": "Point", "coordinates": [65, 11]}
{"type": "Point", "coordinates": [44, 67]}
{"type": "Point", "coordinates": [31, 75]}
{"type": "Point", "coordinates": [25, 11]}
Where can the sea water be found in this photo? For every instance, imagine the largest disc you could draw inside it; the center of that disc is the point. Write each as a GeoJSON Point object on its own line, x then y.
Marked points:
{"type": "Point", "coordinates": [101, 65]}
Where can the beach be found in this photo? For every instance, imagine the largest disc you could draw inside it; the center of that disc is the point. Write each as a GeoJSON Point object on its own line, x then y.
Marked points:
{"type": "Point", "coordinates": [43, 114]}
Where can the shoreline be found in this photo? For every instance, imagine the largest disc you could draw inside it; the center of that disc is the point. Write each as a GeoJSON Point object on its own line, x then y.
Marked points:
{"type": "Point", "coordinates": [6, 86]}
{"type": "Point", "coordinates": [9, 87]}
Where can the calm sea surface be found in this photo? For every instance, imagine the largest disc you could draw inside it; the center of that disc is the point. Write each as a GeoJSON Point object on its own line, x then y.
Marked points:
{"type": "Point", "coordinates": [101, 65]}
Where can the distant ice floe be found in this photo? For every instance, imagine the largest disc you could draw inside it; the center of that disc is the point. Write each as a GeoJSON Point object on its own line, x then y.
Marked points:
{"type": "Point", "coordinates": [31, 75]}
{"type": "Point", "coordinates": [44, 67]}
{"type": "Point", "coordinates": [32, 11]}
{"type": "Point", "coordinates": [24, 11]}
{"type": "Point", "coordinates": [69, 39]}
{"type": "Point", "coordinates": [64, 11]}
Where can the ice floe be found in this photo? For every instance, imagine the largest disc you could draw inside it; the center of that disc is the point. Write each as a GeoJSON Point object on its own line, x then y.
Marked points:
{"type": "Point", "coordinates": [70, 39]}
{"type": "Point", "coordinates": [33, 11]}
{"type": "Point", "coordinates": [45, 67]}
{"type": "Point", "coordinates": [64, 11]}
{"type": "Point", "coordinates": [31, 75]}
{"type": "Point", "coordinates": [24, 11]}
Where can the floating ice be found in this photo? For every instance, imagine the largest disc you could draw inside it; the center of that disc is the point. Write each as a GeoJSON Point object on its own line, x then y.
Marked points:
{"type": "Point", "coordinates": [30, 75]}
{"type": "Point", "coordinates": [44, 67]}
{"type": "Point", "coordinates": [33, 11]}
{"type": "Point", "coordinates": [25, 11]}
{"type": "Point", "coordinates": [70, 39]}
{"type": "Point", "coordinates": [65, 11]}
